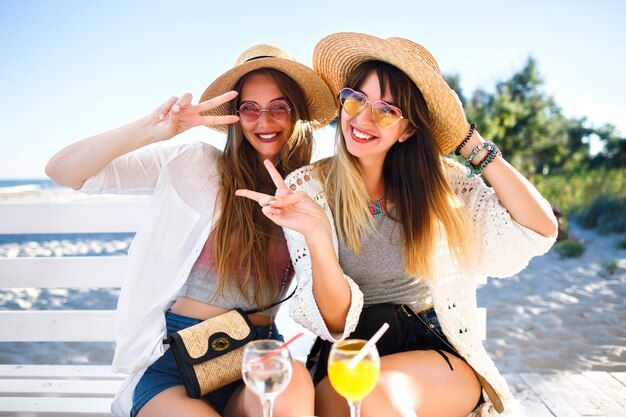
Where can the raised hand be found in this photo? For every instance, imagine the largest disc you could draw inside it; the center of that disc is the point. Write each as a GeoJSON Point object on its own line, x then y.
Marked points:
{"type": "Point", "coordinates": [296, 211]}
{"type": "Point", "coordinates": [177, 115]}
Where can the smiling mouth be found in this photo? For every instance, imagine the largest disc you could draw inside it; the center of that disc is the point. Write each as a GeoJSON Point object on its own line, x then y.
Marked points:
{"type": "Point", "coordinates": [267, 137]}
{"type": "Point", "coordinates": [360, 136]}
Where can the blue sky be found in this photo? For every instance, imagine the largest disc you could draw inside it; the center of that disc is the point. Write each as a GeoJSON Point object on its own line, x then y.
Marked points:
{"type": "Point", "coordinates": [71, 69]}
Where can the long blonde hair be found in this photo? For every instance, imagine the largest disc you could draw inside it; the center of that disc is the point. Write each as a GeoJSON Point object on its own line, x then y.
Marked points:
{"type": "Point", "coordinates": [414, 174]}
{"type": "Point", "coordinates": [242, 232]}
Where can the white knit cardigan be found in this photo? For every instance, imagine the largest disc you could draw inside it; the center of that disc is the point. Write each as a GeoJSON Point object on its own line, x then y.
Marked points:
{"type": "Point", "coordinates": [504, 248]}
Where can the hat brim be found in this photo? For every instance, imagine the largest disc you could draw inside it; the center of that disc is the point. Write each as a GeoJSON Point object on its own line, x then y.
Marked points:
{"type": "Point", "coordinates": [336, 55]}
{"type": "Point", "coordinates": [319, 99]}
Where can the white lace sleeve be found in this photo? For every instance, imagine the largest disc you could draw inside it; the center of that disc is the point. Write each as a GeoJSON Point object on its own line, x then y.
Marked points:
{"type": "Point", "coordinates": [506, 247]}
{"type": "Point", "coordinates": [303, 308]}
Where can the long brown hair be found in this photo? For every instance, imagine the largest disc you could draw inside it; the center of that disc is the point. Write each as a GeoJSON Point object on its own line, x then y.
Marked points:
{"type": "Point", "coordinates": [242, 232]}
{"type": "Point", "coordinates": [414, 174]}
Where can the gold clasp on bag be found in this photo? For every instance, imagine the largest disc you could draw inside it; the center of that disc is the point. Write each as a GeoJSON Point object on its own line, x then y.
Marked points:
{"type": "Point", "coordinates": [220, 344]}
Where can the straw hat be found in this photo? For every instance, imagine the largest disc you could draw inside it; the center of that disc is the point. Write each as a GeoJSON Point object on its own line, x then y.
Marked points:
{"type": "Point", "coordinates": [320, 101]}
{"type": "Point", "coordinates": [336, 55]}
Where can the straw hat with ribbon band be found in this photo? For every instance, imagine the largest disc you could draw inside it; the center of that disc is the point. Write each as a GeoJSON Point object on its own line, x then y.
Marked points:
{"type": "Point", "coordinates": [336, 55]}
{"type": "Point", "coordinates": [320, 101]}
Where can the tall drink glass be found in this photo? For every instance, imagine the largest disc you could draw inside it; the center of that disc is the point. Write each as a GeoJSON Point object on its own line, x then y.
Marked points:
{"type": "Point", "coordinates": [265, 373]}
{"type": "Point", "coordinates": [353, 381]}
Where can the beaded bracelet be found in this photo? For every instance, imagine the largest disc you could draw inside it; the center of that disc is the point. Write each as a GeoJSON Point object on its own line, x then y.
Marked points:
{"type": "Point", "coordinates": [457, 151]}
{"type": "Point", "coordinates": [472, 155]}
{"type": "Point", "coordinates": [487, 156]}
{"type": "Point", "coordinates": [493, 153]}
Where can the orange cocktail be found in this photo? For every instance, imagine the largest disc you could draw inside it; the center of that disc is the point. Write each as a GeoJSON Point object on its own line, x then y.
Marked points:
{"type": "Point", "coordinates": [353, 380]}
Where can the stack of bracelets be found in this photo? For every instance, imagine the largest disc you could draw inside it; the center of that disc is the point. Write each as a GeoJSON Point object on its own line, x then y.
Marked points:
{"type": "Point", "coordinates": [492, 153]}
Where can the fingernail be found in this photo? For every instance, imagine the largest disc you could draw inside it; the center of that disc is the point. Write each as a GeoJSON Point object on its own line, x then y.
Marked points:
{"type": "Point", "coordinates": [175, 108]}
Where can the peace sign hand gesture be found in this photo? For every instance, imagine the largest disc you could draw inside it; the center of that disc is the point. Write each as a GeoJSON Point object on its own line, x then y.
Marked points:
{"type": "Point", "coordinates": [296, 211]}
{"type": "Point", "coordinates": [177, 115]}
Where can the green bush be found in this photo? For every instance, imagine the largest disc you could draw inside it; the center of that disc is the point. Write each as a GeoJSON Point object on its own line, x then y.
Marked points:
{"type": "Point", "coordinates": [606, 213]}
{"type": "Point", "coordinates": [570, 248]}
{"type": "Point", "coordinates": [611, 267]}
{"type": "Point", "coordinates": [621, 244]}
{"type": "Point", "coordinates": [579, 189]}
{"type": "Point", "coordinates": [595, 198]}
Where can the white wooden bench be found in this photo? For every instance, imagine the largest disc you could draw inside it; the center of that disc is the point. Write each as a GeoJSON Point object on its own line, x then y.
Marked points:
{"type": "Point", "coordinates": [72, 390]}
{"type": "Point", "coordinates": [61, 390]}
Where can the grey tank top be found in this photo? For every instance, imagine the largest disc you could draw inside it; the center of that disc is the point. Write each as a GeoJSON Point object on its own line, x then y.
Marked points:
{"type": "Point", "coordinates": [379, 268]}
{"type": "Point", "coordinates": [202, 282]}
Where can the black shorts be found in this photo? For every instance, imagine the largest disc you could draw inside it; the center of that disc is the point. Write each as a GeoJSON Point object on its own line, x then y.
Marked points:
{"type": "Point", "coordinates": [407, 331]}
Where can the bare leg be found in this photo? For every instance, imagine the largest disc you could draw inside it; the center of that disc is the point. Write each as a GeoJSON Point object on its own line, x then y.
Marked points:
{"type": "Point", "coordinates": [295, 401]}
{"type": "Point", "coordinates": [175, 402]}
{"type": "Point", "coordinates": [411, 383]}
{"type": "Point", "coordinates": [328, 403]}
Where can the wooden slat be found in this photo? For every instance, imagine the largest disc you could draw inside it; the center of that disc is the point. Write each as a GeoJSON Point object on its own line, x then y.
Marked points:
{"type": "Point", "coordinates": [57, 388]}
{"type": "Point", "coordinates": [63, 272]}
{"type": "Point", "coordinates": [59, 372]}
{"type": "Point", "coordinates": [83, 217]}
{"type": "Point", "coordinates": [55, 407]}
{"type": "Point", "coordinates": [548, 395]}
{"type": "Point", "coordinates": [609, 385]}
{"type": "Point", "coordinates": [605, 403]}
{"type": "Point", "coordinates": [482, 322]}
{"type": "Point", "coordinates": [57, 326]}
{"type": "Point", "coordinates": [527, 397]}
{"type": "Point", "coordinates": [620, 376]}
{"type": "Point", "coordinates": [579, 400]}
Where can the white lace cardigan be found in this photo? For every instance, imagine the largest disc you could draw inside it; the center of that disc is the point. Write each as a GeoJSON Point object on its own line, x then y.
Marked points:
{"type": "Point", "coordinates": [504, 246]}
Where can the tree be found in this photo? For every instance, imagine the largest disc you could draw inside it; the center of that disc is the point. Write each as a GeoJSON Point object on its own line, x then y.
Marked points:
{"type": "Point", "coordinates": [613, 152]}
{"type": "Point", "coordinates": [527, 124]}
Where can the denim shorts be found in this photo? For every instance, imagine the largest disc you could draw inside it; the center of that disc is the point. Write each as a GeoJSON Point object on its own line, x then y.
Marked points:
{"type": "Point", "coordinates": [407, 331]}
{"type": "Point", "coordinates": [163, 373]}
